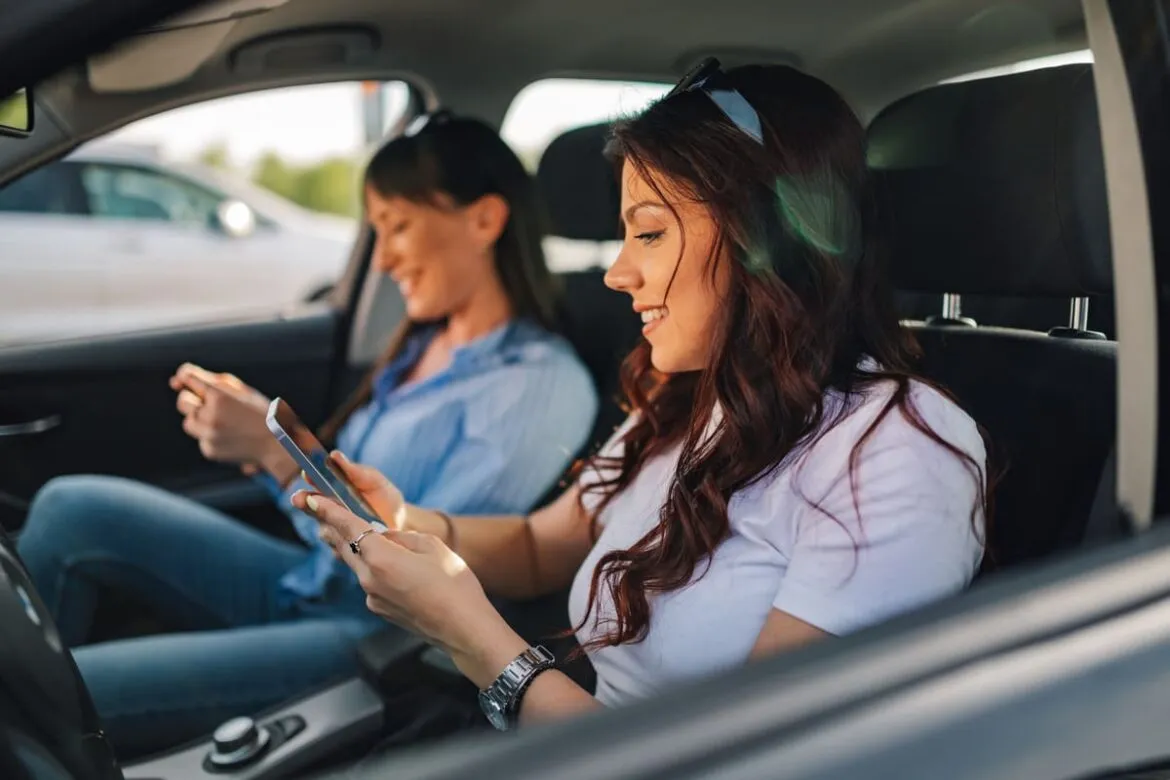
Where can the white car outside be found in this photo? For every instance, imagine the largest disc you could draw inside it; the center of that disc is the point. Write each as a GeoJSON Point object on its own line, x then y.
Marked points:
{"type": "Point", "coordinates": [111, 239]}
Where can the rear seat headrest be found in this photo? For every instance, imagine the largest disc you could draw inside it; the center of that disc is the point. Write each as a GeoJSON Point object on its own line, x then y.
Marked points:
{"type": "Point", "coordinates": [579, 187]}
{"type": "Point", "coordinates": [996, 186]}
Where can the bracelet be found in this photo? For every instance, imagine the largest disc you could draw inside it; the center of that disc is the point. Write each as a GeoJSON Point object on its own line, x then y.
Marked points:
{"type": "Point", "coordinates": [446, 518]}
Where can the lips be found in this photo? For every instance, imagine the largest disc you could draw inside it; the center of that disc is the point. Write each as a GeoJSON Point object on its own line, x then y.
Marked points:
{"type": "Point", "coordinates": [652, 318]}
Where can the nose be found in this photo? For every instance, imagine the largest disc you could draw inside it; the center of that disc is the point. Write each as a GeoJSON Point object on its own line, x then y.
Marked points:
{"type": "Point", "coordinates": [623, 275]}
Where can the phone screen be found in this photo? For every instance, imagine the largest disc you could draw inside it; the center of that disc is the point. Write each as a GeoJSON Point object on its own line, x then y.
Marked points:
{"type": "Point", "coordinates": [307, 450]}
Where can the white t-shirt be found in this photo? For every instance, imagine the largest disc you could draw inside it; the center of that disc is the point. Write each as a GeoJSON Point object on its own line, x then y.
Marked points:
{"type": "Point", "coordinates": [915, 543]}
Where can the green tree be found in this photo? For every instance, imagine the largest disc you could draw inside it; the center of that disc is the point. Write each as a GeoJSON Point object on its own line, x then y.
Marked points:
{"type": "Point", "coordinates": [216, 156]}
{"type": "Point", "coordinates": [14, 111]}
{"type": "Point", "coordinates": [274, 174]}
{"type": "Point", "coordinates": [330, 186]}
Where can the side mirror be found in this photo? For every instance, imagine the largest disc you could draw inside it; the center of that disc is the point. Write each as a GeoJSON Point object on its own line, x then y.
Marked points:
{"type": "Point", "coordinates": [235, 218]}
{"type": "Point", "coordinates": [16, 114]}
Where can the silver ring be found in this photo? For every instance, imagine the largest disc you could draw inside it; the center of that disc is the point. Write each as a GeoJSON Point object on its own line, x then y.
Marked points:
{"type": "Point", "coordinates": [354, 544]}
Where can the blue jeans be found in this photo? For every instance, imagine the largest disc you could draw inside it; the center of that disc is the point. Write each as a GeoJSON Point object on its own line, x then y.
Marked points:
{"type": "Point", "coordinates": [250, 644]}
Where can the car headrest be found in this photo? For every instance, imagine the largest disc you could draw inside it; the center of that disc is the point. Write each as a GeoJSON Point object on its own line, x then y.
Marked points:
{"type": "Point", "coordinates": [996, 186]}
{"type": "Point", "coordinates": [579, 186]}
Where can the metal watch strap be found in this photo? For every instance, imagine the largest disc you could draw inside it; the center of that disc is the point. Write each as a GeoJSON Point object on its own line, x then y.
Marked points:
{"type": "Point", "coordinates": [504, 694]}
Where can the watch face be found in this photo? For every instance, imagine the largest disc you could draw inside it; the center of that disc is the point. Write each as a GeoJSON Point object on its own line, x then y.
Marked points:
{"type": "Point", "coordinates": [494, 712]}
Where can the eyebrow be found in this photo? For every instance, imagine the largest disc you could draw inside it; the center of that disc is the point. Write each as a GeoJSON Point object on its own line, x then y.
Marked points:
{"type": "Point", "coordinates": [642, 204]}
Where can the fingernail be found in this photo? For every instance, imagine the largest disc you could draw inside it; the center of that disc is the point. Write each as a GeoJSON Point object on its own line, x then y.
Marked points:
{"type": "Point", "coordinates": [312, 503]}
{"type": "Point", "coordinates": [339, 455]}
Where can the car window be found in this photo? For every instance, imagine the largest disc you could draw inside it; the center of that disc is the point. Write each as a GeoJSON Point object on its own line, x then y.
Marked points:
{"type": "Point", "coordinates": [54, 189]}
{"type": "Point", "coordinates": [229, 209]}
{"type": "Point", "coordinates": [545, 109]}
{"type": "Point", "coordinates": [125, 192]}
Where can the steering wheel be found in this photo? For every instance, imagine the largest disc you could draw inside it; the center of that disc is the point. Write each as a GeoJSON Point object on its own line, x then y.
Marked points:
{"type": "Point", "coordinates": [49, 729]}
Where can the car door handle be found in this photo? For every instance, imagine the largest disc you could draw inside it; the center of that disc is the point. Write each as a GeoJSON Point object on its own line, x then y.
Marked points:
{"type": "Point", "coordinates": [32, 427]}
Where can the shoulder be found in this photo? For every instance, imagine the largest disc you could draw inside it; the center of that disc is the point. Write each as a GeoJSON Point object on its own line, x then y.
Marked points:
{"type": "Point", "coordinates": [538, 372]}
{"type": "Point", "coordinates": [871, 419]}
{"type": "Point", "coordinates": [874, 456]}
{"type": "Point", "coordinates": [530, 343]}
{"type": "Point", "coordinates": [538, 364]}
{"type": "Point", "coordinates": [533, 351]}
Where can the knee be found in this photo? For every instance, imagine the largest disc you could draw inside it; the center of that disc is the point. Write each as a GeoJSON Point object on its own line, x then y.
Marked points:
{"type": "Point", "coordinates": [64, 497]}
{"type": "Point", "coordinates": [65, 510]}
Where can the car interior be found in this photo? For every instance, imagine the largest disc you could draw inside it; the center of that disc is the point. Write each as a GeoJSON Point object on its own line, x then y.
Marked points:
{"type": "Point", "coordinates": [1000, 252]}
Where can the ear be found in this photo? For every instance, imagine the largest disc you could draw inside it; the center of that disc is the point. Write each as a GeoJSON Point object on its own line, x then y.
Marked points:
{"type": "Point", "coordinates": [489, 215]}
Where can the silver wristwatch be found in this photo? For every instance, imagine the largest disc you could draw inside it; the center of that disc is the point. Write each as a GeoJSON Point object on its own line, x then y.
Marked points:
{"type": "Point", "coordinates": [500, 701]}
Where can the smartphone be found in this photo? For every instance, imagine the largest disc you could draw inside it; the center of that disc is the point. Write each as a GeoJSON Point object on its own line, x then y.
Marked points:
{"type": "Point", "coordinates": [299, 442]}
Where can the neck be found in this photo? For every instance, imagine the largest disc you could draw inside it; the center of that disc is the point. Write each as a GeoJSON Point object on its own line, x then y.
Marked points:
{"type": "Point", "coordinates": [487, 310]}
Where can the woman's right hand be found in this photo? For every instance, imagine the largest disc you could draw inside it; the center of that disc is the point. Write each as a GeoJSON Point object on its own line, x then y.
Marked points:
{"type": "Point", "coordinates": [227, 418]}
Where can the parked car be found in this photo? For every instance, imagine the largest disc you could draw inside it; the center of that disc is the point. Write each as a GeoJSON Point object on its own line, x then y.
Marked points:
{"type": "Point", "coordinates": [113, 239]}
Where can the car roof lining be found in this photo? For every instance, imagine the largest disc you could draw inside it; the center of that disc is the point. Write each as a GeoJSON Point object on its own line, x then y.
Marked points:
{"type": "Point", "coordinates": [874, 51]}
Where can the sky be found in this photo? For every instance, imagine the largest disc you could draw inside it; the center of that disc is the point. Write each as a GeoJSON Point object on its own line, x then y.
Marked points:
{"type": "Point", "coordinates": [305, 124]}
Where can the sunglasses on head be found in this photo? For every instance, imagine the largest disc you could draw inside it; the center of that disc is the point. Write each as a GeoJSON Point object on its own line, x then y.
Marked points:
{"type": "Point", "coordinates": [709, 78]}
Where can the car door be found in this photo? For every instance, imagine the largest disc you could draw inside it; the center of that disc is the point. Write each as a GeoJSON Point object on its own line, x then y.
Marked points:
{"type": "Point", "coordinates": [53, 258]}
{"type": "Point", "coordinates": [103, 405]}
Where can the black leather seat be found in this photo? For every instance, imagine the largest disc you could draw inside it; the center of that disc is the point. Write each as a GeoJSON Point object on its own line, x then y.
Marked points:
{"type": "Point", "coordinates": [996, 188]}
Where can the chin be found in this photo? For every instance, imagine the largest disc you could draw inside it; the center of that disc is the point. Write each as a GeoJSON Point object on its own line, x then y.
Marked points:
{"type": "Point", "coordinates": [671, 362]}
{"type": "Point", "coordinates": [663, 361]}
{"type": "Point", "coordinates": [420, 311]}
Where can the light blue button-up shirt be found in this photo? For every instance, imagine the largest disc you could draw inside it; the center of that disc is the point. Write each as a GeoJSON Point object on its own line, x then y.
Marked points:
{"type": "Point", "coordinates": [489, 434]}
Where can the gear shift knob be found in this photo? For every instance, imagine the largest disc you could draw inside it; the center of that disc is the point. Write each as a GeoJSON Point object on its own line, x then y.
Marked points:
{"type": "Point", "coordinates": [237, 742]}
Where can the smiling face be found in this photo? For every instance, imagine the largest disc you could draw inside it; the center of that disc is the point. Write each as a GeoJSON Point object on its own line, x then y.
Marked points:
{"type": "Point", "coordinates": [680, 316]}
{"type": "Point", "coordinates": [439, 255]}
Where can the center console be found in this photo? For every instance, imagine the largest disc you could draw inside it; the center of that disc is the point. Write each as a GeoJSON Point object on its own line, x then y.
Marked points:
{"type": "Point", "coordinates": [302, 733]}
{"type": "Point", "coordinates": [278, 744]}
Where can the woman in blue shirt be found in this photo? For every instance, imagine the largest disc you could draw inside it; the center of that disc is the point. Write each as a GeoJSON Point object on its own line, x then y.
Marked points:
{"type": "Point", "coordinates": [476, 407]}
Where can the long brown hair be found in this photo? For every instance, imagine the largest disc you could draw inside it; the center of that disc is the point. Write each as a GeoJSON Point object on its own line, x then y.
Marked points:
{"type": "Point", "coordinates": [465, 160]}
{"type": "Point", "coordinates": [809, 302]}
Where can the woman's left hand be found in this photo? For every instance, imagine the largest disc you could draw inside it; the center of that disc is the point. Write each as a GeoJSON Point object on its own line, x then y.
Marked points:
{"type": "Point", "coordinates": [409, 578]}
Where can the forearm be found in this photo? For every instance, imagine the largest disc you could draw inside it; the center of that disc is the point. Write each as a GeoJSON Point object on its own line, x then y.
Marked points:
{"type": "Point", "coordinates": [499, 549]}
{"type": "Point", "coordinates": [553, 696]}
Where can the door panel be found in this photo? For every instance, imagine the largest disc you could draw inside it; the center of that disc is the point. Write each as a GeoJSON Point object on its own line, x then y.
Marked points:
{"type": "Point", "coordinates": [106, 406]}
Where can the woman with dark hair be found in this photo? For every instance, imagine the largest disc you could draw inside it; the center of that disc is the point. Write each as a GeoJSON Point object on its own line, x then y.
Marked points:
{"type": "Point", "coordinates": [476, 407]}
{"type": "Point", "coordinates": [784, 476]}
